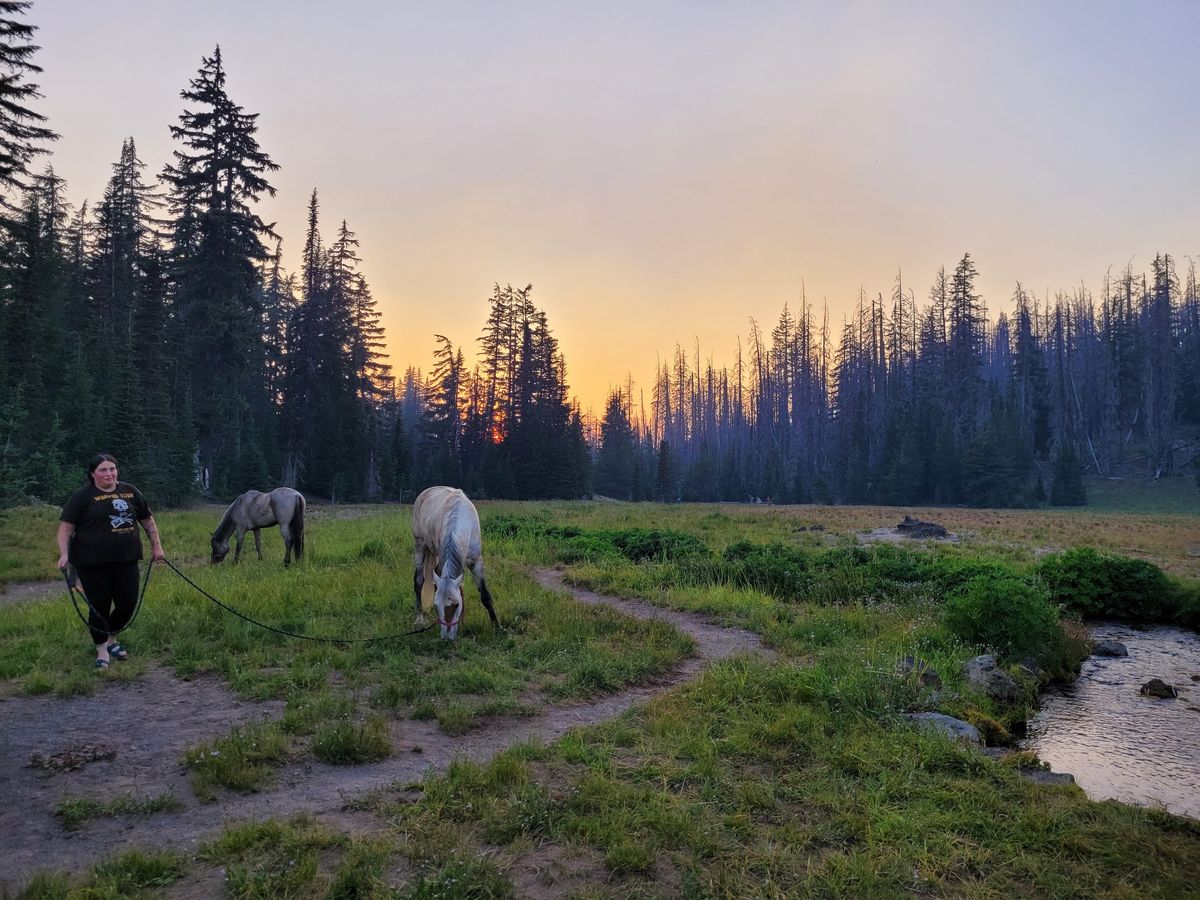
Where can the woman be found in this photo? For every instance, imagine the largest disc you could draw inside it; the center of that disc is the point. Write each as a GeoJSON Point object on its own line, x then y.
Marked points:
{"type": "Point", "coordinates": [98, 535]}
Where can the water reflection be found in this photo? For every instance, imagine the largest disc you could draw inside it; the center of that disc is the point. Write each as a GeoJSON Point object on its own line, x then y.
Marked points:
{"type": "Point", "coordinates": [1118, 743]}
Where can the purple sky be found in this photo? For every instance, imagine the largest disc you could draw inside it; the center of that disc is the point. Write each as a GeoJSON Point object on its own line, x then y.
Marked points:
{"type": "Point", "coordinates": [663, 171]}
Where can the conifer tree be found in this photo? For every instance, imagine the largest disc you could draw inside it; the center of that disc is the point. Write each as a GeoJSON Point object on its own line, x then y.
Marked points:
{"type": "Point", "coordinates": [616, 460]}
{"type": "Point", "coordinates": [23, 133]}
{"type": "Point", "coordinates": [217, 176]}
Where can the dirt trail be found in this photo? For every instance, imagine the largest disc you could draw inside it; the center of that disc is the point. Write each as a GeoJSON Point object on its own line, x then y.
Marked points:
{"type": "Point", "coordinates": [153, 721]}
{"type": "Point", "coordinates": [21, 591]}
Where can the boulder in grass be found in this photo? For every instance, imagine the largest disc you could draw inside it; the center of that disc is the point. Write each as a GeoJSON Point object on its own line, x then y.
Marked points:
{"type": "Point", "coordinates": [927, 677]}
{"type": "Point", "coordinates": [1156, 687]}
{"type": "Point", "coordinates": [1110, 648]}
{"type": "Point", "coordinates": [953, 728]}
{"type": "Point", "coordinates": [984, 675]}
{"type": "Point", "coordinates": [915, 528]}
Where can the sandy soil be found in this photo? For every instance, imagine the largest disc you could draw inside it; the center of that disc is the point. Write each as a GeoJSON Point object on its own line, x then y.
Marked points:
{"type": "Point", "coordinates": [149, 724]}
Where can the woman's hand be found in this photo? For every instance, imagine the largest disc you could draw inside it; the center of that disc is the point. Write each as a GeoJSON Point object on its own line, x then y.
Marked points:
{"type": "Point", "coordinates": [62, 561]}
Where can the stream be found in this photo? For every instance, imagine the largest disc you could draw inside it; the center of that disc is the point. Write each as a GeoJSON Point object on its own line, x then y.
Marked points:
{"type": "Point", "coordinates": [1117, 743]}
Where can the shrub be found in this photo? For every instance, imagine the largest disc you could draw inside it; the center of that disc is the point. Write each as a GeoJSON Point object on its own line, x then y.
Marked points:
{"type": "Point", "coordinates": [576, 544]}
{"type": "Point", "coordinates": [771, 568]}
{"type": "Point", "coordinates": [1096, 584]}
{"type": "Point", "coordinates": [639, 544]}
{"type": "Point", "coordinates": [1189, 605]}
{"type": "Point", "coordinates": [1008, 614]}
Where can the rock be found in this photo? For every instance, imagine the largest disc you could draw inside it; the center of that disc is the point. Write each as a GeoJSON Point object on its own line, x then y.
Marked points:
{"type": "Point", "coordinates": [817, 527]}
{"type": "Point", "coordinates": [984, 675]}
{"type": "Point", "coordinates": [1110, 648]}
{"type": "Point", "coordinates": [926, 676]}
{"type": "Point", "coordinates": [915, 528]}
{"type": "Point", "coordinates": [1043, 776]}
{"type": "Point", "coordinates": [953, 728]}
{"type": "Point", "coordinates": [1030, 666]}
{"type": "Point", "coordinates": [1156, 687]}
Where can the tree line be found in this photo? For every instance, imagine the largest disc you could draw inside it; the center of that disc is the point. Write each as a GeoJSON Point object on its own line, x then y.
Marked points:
{"type": "Point", "coordinates": [926, 405]}
{"type": "Point", "coordinates": [161, 325]}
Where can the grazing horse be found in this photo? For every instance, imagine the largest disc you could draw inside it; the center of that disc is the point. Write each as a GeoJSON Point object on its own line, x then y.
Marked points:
{"type": "Point", "coordinates": [446, 543]}
{"type": "Point", "coordinates": [254, 510]}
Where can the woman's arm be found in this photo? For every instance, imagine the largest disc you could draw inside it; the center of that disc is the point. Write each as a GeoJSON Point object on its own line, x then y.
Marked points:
{"type": "Point", "coordinates": [156, 550]}
{"type": "Point", "coordinates": [65, 532]}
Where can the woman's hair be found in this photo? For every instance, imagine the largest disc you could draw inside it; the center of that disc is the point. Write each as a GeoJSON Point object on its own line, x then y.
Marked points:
{"type": "Point", "coordinates": [95, 461]}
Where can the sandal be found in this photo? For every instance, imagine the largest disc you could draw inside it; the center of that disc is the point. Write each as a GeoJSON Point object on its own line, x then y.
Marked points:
{"type": "Point", "coordinates": [116, 651]}
{"type": "Point", "coordinates": [102, 664]}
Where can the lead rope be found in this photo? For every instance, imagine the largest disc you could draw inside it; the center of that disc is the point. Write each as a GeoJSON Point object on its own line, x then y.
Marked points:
{"type": "Point", "coordinates": [303, 637]}
{"type": "Point", "coordinates": [72, 589]}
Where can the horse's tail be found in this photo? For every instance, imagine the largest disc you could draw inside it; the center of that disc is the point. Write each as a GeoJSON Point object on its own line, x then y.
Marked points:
{"type": "Point", "coordinates": [298, 530]}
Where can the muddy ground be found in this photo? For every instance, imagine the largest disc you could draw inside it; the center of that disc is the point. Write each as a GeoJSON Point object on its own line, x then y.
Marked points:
{"type": "Point", "coordinates": [148, 725]}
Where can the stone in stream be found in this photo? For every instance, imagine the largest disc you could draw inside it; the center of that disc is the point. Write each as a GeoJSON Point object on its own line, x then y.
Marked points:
{"type": "Point", "coordinates": [1110, 648]}
{"type": "Point", "coordinates": [1156, 687]}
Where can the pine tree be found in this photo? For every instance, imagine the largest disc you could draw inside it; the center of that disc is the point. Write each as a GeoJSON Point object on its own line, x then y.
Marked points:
{"type": "Point", "coordinates": [664, 474]}
{"type": "Point", "coordinates": [1067, 488]}
{"type": "Point", "coordinates": [615, 462]}
{"type": "Point", "coordinates": [22, 132]}
{"type": "Point", "coordinates": [216, 177]}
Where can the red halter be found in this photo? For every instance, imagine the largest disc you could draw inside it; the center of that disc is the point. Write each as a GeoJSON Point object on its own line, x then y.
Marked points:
{"type": "Point", "coordinates": [462, 608]}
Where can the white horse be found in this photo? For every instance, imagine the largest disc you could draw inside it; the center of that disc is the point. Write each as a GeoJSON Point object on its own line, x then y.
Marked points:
{"type": "Point", "coordinates": [446, 542]}
{"type": "Point", "coordinates": [254, 510]}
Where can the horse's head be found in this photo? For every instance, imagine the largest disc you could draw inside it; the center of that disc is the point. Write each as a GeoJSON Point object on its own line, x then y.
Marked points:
{"type": "Point", "coordinates": [448, 603]}
{"type": "Point", "coordinates": [220, 548]}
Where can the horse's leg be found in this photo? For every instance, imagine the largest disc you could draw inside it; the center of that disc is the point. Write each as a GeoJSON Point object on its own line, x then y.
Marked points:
{"type": "Point", "coordinates": [241, 539]}
{"type": "Point", "coordinates": [258, 543]}
{"type": "Point", "coordinates": [287, 544]}
{"type": "Point", "coordinates": [484, 594]}
{"type": "Point", "coordinates": [418, 574]}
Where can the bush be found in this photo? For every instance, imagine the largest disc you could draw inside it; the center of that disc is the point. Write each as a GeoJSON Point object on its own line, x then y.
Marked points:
{"type": "Point", "coordinates": [1189, 605]}
{"type": "Point", "coordinates": [1009, 615]}
{"type": "Point", "coordinates": [576, 544]}
{"type": "Point", "coordinates": [640, 544]}
{"type": "Point", "coordinates": [1104, 585]}
{"type": "Point", "coordinates": [771, 568]}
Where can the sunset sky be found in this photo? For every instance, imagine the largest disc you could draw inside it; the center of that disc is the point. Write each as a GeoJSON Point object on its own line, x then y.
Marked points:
{"type": "Point", "coordinates": [663, 171]}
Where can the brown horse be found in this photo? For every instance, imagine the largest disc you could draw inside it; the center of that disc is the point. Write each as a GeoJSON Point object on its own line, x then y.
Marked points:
{"type": "Point", "coordinates": [254, 510]}
{"type": "Point", "coordinates": [446, 542]}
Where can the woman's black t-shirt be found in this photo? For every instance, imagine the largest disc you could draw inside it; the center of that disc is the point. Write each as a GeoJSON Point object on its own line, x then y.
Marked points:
{"type": "Point", "coordinates": [106, 524]}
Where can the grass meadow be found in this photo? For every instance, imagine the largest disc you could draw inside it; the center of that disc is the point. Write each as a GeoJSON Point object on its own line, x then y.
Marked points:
{"type": "Point", "coordinates": [787, 776]}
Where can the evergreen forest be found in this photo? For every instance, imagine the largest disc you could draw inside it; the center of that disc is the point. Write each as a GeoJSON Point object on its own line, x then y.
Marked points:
{"type": "Point", "coordinates": [160, 324]}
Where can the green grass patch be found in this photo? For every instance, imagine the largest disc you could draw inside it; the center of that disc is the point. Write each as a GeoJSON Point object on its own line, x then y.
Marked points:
{"type": "Point", "coordinates": [275, 859]}
{"type": "Point", "coordinates": [76, 811]}
{"type": "Point", "coordinates": [245, 761]}
{"type": "Point", "coordinates": [347, 743]}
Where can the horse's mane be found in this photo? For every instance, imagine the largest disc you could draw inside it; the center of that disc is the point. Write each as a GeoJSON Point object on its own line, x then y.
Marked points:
{"type": "Point", "coordinates": [226, 526]}
{"type": "Point", "coordinates": [450, 555]}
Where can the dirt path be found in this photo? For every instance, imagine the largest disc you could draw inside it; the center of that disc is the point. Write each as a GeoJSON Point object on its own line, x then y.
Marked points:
{"type": "Point", "coordinates": [153, 721]}
{"type": "Point", "coordinates": [32, 590]}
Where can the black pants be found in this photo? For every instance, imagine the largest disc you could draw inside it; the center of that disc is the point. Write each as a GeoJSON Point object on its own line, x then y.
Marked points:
{"type": "Point", "coordinates": [112, 591]}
